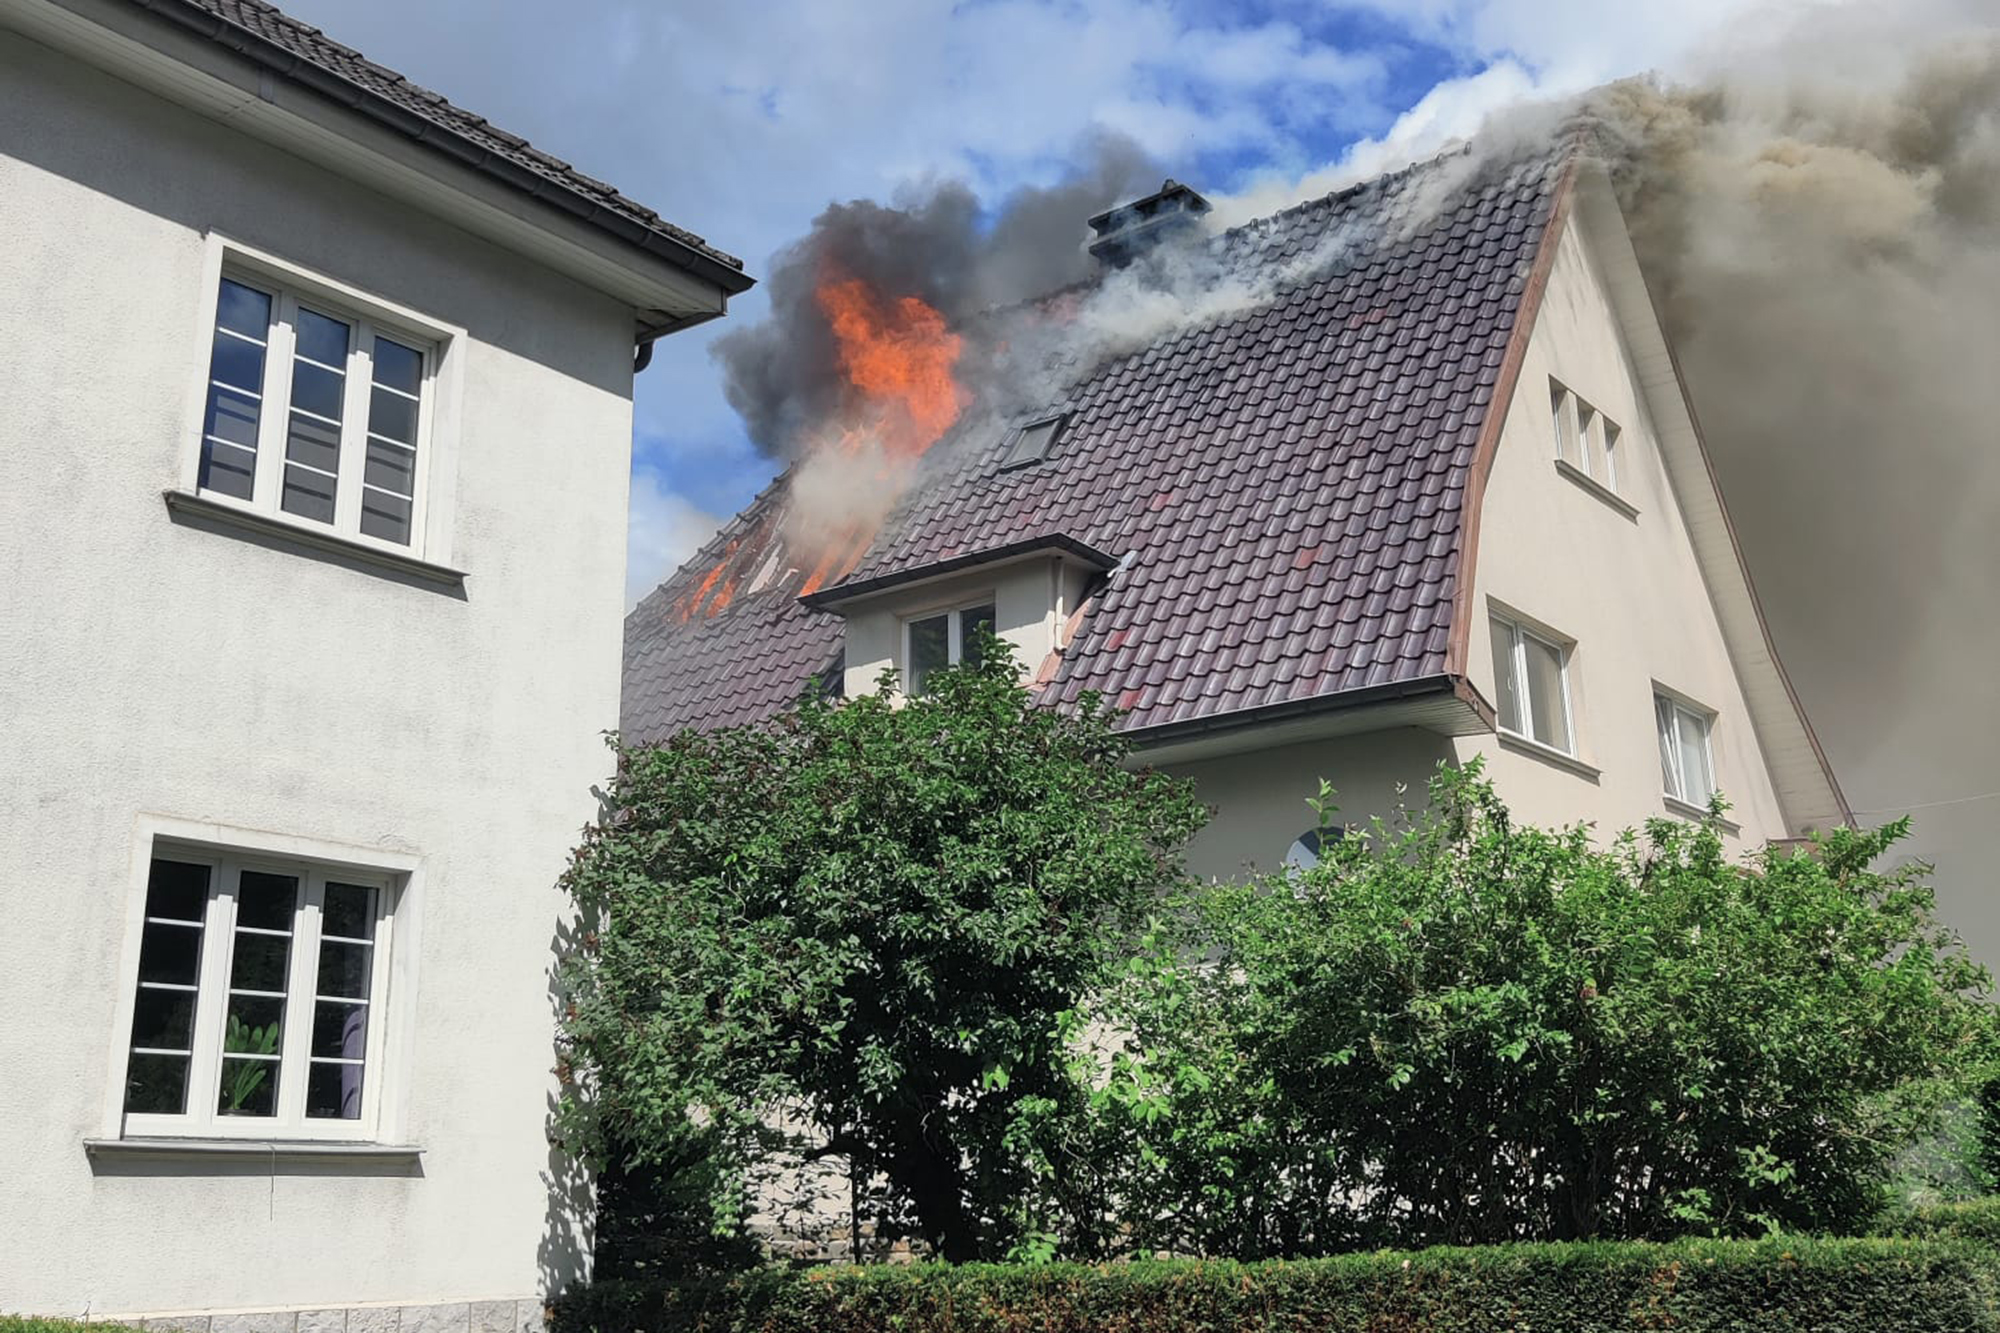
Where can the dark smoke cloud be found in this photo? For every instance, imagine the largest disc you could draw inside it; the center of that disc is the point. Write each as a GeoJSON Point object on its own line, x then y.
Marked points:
{"type": "Point", "coordinates": [938, 243]}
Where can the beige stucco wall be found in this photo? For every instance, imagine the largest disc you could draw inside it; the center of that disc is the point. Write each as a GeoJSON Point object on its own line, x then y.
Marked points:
{"type": "Point", "coordinates": [1258, 798]}
{"type": "Point", "coordinates": [1031, 599]}
{"type": "Point", "coordinates": [153, 668]}
{"type": "Point", "coordinates": [1625, 588]}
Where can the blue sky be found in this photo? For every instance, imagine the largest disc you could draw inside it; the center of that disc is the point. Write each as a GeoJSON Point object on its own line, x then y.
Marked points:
{"type": "Point", "coordinates": [742, 121]}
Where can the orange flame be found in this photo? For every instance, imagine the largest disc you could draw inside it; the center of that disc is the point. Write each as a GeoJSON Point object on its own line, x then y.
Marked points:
{"type": "Point", "coordinates": [898, 356]}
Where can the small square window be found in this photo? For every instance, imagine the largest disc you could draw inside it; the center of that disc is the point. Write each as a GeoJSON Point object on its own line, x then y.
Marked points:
{"type": "Point", "coordinates": [1687, 766]}
{"type": "Point", "coordinates": [1585, 438]}
{"type": "Point", "coordinates": [1033, 441]}
{"type": "Point", "coordinates": [945, 639]}
{"type": "Point", "coordinates": [316, 413]}
{"type": "Point", "coordinates": [1531, 674]}
{"type": "Point", "coordinates": [257, 1009]}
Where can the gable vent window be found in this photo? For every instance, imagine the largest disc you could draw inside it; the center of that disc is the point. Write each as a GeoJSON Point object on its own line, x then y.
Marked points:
{"type": "Point", "coordinates": [1586, 439]}
{"type": "Point", "coordinates": [1686, 765]}
{"type": "Point", "coordinates": [945, 639]}
{"type": "Point", "coordinates": [1531, 674]}
{"type": "Point", "coordinates": [315, 413]}
{"type": "Point", "coordinates": [1033, 441]}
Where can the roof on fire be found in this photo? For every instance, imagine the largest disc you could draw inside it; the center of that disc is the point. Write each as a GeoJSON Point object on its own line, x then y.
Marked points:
{"type": "Point", "coordinates": [1287, 487]}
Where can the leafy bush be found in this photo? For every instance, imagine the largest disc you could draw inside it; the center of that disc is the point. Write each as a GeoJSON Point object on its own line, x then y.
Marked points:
{"type": "Point", "coordinates": [865, 932]}
{"type": "Point", "coordinates": [1459, 1030]}
{"type": "Point", "coordinates": [1974, 1219]}
{"type": "Point", "coordinates": [10, 1323]}
{"type": "Point", "coordinates": [1853, 1286]}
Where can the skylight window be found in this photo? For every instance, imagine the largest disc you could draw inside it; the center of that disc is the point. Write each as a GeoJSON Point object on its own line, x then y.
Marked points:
{"type": "Point", "coordinates": [1033, 441]}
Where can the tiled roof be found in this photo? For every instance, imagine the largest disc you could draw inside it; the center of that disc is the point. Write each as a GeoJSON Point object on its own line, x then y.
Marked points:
{"type": "Point", "coordinates": [1285, 485]}
{"type": "Point", "coordinates": [263, 23]}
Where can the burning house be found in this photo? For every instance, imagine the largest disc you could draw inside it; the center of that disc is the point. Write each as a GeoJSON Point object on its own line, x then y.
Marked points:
{"type": "Point", "coordinates": [1399, 476]}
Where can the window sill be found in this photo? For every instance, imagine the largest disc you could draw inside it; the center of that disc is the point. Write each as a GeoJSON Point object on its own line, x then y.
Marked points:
{"type": "Point", "coordinates": [207, 509]}
{"type": "Point", "coordinates": [1597, 488]}
{"type": "Point", "coordinates": [1700, 814]}
{"type": "Point", "coordinates": [263, 1150]}
{"type": "Point", "coordinates": [1548, 754]}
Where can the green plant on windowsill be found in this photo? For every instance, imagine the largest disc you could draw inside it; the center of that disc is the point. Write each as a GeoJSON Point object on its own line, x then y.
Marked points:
{"type": "Point", "coordinates": [240, 1084]}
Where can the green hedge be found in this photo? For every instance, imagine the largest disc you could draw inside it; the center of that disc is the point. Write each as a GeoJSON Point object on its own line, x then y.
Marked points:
{"type": "Point", "coordinates": [1978, 1219]}
{"type": "Point", "coordinates": [1866, 1286]}
{"type": "Point", "coordinates": [14, 1323]}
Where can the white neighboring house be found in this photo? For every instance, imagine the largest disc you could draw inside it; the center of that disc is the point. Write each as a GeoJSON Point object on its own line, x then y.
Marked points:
{"type": "Point", "coordinates": [313, 472]}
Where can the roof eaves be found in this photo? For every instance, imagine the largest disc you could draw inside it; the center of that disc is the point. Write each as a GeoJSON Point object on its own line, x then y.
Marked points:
{"type": "Point", "coordinates": [552, 184]}
{"type": "Point", "coordinates": [1056, 543]}
{"type": "Point", "coordinates": [1240, 719]}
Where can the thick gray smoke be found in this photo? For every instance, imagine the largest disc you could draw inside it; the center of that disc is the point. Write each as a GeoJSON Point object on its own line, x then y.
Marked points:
{"type": "Point", "coordinates": [1821, 226]}
{"type": "Point", "coordinates": [938, 244]}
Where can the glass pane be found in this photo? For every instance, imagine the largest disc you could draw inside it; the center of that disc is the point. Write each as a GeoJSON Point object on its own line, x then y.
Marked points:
{"type": "Point", "coordinates": [333, 1092]}
{"type": "Point", "coordinates": [156, 1084]}
{"type": "Point", "coordinates": [1545, 693]}
{"type": "Point", "coordinates": [385, 516]}
{"type": "Point", "coordinates": [1610, 454]}
{"type": "Point", "coordinates": [163, 1019]}
{"type": "Point", "coordinates": [390, 467]}
{"type": "Point", "coordinates": [313, 442]}
{"type": "Point", "coordinates": [170, 954]}
{"type": "Point", "coordinates": [227, 469]}
{"type": "Point", "coordinates": [392, 415]}
{"type": "Point", "coordinates": [1697, 782]}
{"type": "Point", "coordinates": [244, 309]}
{"type": "Point", "coordinates": [260, 962]}
{"type": "Point", "coordinates": [344, 969]}
{"type": "Point", "coordinates": [1032, 443]}
{"type": "Point", "coordinates": [973, 623]}
{"type": "Point", "coordinates": [249, 1087]}
{"type": "Point", "coordinates": [317, 390]}
{"type": "Point", "coordinates": [929, 649]}
{"type": "Point", "coordinates": [1504, 684]}
{"type": "Point", "coordinates": [340, 1030]}
{"type": "Point", "coordinates": [398, 366]}
{"type": "Point", "coordinates": [232, 416]}
{"type": "Point", "coordinates": [1590, 438]}
{"type": "Point", "coordinates": [322, 339]}
{"type": "Point", "coordinates": [266, 901]}
{"type": "Point", "coordinates": [349, 912]}
{"type": "Point", "coordinates": [1670, 768]}
{"type": "Point", "coordinates": [308, 494]}
{"type": "Point", "coordinates": [177, 889]}
{"type": "Point", "coordinates": [237, 363]}
{"type": "Point", "coordinates": [1559, 404]}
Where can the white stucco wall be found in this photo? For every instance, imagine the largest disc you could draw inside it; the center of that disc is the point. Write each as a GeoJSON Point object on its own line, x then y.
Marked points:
{"type": "Point", "coordinates": [1626, 588]}
{"type": "Point", "coordinates": [1031, 599]}
{"type": "Point", "coordinates": [148, 667]}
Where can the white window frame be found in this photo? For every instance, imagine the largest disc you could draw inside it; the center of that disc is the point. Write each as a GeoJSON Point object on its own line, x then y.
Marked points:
{"type": "Point", "coordinates": [366, 315]}
{"type": "Point", "coordinates": [1593, 436]}
{"type": "Point", "coordinates": [954, 632]}
{"type": "Point", "coordinates": [1680, 705]}
{"type": "Point", "coordinates": [1522, 630]}
{"type": "Point", "coordinates": [384, 1057]}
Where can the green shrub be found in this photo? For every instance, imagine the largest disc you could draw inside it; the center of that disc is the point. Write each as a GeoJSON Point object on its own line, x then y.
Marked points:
{"type": "Point", "coordinates": [14, 1323]}
{"type": "Point", "coordinates": [1867, 1286]}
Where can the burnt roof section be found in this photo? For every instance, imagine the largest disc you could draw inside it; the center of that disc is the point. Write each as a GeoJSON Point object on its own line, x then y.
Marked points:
{"type": "Point", "coordinates": [1285, 486]}
{"type": "Point", "coordinates": [308, 56]}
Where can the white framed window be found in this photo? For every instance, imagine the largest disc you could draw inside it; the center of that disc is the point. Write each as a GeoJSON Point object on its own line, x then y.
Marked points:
{"type": "Point", "coordinates": [258, 1005]}
{"type": "Point", "coordinates": [1531, 676]}
{"type": "Point", "coordinates": [938, 639]}
{"type": "Point", "coordinates": [1585, 438]}
{"type": "Point", "coordinates": [1687, 763]}
{"type": "Point", "coordinates": [318, 408]}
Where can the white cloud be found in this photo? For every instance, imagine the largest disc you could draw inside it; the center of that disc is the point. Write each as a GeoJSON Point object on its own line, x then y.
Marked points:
{"type": "Point", "coordinates": [663, 531]}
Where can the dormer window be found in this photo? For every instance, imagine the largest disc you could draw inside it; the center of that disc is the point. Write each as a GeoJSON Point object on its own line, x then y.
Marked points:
{"type": "Point", "coordinates": [1033, 441]}
{"type": "Point", "coordinates": [942, 639]}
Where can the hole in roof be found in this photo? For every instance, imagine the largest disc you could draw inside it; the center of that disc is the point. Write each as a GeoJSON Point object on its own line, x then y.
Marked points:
{"type": "Point", "coordinates": [1033, 441]}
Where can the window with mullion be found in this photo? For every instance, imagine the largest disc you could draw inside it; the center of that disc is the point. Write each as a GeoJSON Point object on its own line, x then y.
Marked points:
{"type": "Point", "coordinates": [1531, 677]}
{"type": "Point", "coordinates": [1687, 764]}
{"type": "Point", "coordinates": [944, 639]}
{"type": "Point", "coordinates": [254, 1012]}
{"type": "Point", "coordinates": [315, 413]}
